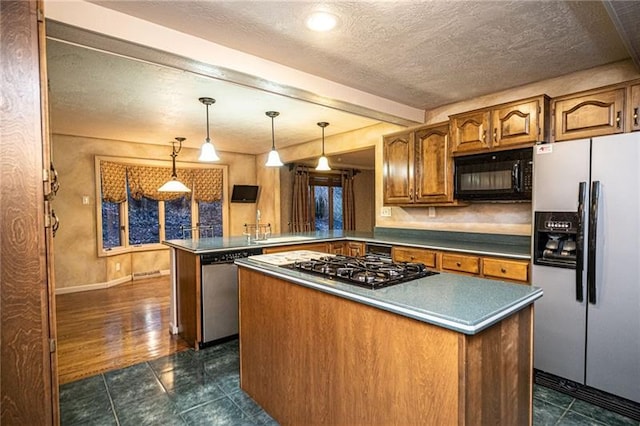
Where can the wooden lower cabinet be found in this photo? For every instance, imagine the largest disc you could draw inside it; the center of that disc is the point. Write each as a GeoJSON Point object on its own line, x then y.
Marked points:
{"type": "Point", "coordinates": [311, 357]}
{"type": "Point", "coordinates": [411, 254]}
{"type": "Point", "coordinates": [483, 266]}
{"type": "Point", "coordinates": [461, 263]}
{"type": "Point", "coordinates": [515, 270]}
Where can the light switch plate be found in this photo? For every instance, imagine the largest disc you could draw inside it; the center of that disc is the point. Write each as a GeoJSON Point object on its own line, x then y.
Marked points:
{"type": "Point", "coordinates": [385, 212]}
{"type": "Point", "coordinates": [85, 200]}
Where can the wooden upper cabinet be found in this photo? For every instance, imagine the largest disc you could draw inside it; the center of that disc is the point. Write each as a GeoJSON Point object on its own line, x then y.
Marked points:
{"type": "Point", "coordinates": [589, 114]}
{"type": "Point", "coordinates": [433, 165]}
{"type": "Point", "coordinates": [634, 107]}
{"type": "Point", "coordinates": [516, 124]}
{"type": "Point", "coordinates": [417, 166]}
{"type": "Point", "coordinates": [398, 168]}
{"type": "Point", "coordinates": [469, 131]}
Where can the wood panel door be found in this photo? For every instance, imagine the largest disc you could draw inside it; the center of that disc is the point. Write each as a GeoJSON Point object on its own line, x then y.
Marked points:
{"type": "Point", "coordinates": [28, 387]}
{"type": "Point", "coordinates": [469, 132]}
{"type": "Point", "coordinates": [590, 115]}
{"type": "Point", "coordinates": [516, 124]}
{"type": "Point", "coordinates": [433, 166]}
{"type": "Point", "coordinates": [398, 168]}
{"type": "Point", "coordinates": [634, 107]}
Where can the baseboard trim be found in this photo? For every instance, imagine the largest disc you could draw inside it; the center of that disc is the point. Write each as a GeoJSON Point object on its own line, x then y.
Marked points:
{"type": "Point", "coordinates": [597, 397]}
{"type": "Point", "coordinates": [107, 284]}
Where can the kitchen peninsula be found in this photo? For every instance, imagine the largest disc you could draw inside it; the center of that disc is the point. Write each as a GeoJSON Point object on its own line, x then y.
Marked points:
{"type": "Point", "coordinates": [444, 349]}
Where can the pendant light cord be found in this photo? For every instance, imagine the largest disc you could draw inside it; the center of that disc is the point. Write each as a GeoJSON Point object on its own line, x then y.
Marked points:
{"type": "Point", "coordinates": [273, 137]}
{"type": "Point", "coordinates": [208, 139]}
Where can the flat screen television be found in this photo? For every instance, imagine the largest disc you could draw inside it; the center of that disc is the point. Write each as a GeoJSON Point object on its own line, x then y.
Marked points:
{"type": "Point", "coordinates": [244, 193]}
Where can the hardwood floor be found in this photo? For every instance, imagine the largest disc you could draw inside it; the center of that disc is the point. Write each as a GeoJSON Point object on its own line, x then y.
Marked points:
{"type": "Point", "coordinates": [106, 329]}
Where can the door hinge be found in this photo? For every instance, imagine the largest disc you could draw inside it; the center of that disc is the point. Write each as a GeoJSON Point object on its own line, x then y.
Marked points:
{"type": "Point", "coordinates": [45, 175]}
{"type": "Point", "coordinates": [52, 345]}
{"type": "Point", "coordinates": [47, 220]}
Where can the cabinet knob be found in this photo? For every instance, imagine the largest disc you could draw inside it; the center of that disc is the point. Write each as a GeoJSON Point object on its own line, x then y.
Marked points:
{"type": "Point", "coordinates": [504, 271]}
{"type": "Point", "coordinates": [484, 136]}
{"type": "Point", "coordinates": [618, 119]}
{"type": "Point", "coordinates": [458, 264]}
{"type": "Point", "coordinates": [495, 134]}
{"type": "Point", "coordinates": [635, 116]}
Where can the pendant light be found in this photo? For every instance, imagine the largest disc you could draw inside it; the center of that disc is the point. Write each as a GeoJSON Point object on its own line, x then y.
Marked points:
{"type": "Point", "coordinates": [323, 163]}
{"type": "Point", "coordinates": [274, 159]}
{"type": "Point", "coordinates": [208, 151]}
{"type": "Point", "coordinates": [173, 184]}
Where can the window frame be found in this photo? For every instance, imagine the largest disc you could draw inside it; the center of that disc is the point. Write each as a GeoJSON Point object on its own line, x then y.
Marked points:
{"type": "Point", "coordinates": [124, 216]}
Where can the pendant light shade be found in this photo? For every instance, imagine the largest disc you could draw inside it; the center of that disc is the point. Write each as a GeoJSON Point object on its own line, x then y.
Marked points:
{"type": "Point", "coordinates": [173, 184]}
{"type": "Point", "coordinates": [274, 159]}
{"type": "Point", "coordinates": [323, 163]}
{"type": "Point", "coordinates": [208, 151]}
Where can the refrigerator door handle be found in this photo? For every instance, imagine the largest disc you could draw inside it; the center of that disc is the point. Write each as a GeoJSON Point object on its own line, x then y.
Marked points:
{"type": "Point", "coordinates": [593, 225]}
{"type": "Point", "coordinates": [582, 192]}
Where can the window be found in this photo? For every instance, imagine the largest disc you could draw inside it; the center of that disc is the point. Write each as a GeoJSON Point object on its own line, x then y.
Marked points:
{"type": "Point", "coordinates": [111, 225]}
{"type": "Point", "coordinates": [327, 196]}
{"type": "Point", "coordinates": [145, 222]}
{"type": "Point", "coordinates": [177, 217]}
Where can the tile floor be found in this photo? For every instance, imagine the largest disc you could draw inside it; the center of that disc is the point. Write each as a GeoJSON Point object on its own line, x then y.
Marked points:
{"type": "Point", "coordinates": [202, 388]}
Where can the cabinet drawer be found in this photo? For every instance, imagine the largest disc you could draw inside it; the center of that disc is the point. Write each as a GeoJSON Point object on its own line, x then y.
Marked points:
{"type": "Point", "coordinates": [461, 263]}
{"type": "Point", "coordinates": [506, 269]}
{"type": "Point", "coordinates": [405, 254]}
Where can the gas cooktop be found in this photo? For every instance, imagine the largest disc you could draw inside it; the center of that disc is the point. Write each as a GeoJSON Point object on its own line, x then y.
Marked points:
{"type": "Point", "coordinates": [372, 272]}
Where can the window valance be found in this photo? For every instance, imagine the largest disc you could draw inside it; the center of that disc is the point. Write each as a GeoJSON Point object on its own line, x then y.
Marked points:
{"type": "Point", "coordinates": [206, 184]}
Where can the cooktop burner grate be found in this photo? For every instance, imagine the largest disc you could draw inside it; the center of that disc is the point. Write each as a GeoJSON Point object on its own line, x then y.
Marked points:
{"type": "Point", "coordinates": [369, 271]}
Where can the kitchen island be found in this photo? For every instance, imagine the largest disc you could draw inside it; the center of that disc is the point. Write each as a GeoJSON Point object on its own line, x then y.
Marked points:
{"type": "Point", "coordinates": [444, 349]}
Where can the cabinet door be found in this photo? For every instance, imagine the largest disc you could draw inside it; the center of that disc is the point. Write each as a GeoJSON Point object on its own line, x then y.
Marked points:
{"type": "Point", "coordinates": [337, 248]}
{"type": "Point", "coordinates": [433, 166]}
{"type": "Point", "coordinates": [398, 160]}
{"type": "Point", "coordinates": [516, 124]}
{"type": "Point", "coordinates": [591, 115]}
{"type": "Point", "coordinates": [355, 249]}
{"type": "Point", "coordinates": [634, 107]}
{"type": "Point", "coordinates": [469, 132]}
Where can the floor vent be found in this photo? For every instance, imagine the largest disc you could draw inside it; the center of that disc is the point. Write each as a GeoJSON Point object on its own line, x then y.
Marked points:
{"type": "Point", "coordinates": [143, 275]}
{"type": "Point", "coordinates": [605, 400]}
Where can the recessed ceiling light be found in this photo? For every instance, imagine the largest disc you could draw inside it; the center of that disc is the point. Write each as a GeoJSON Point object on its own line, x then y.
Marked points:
{"type": "Point", "coordinates": [321, 21]}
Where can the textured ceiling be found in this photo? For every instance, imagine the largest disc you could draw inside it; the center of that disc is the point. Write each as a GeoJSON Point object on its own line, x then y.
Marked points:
{"type": "Point", "coordinates": [418, 53]}
{"type": "Point", "coordinates": [423, 54]}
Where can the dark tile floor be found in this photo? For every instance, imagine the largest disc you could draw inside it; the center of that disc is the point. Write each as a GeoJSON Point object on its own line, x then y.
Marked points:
{"type": "Point", "coordinates": [202, 388]}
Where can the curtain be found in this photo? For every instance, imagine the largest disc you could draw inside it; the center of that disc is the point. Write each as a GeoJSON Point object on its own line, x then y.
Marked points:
{"type": "Point", "coordinates": [301, 217]}
{"type": "Point", "coordinates": [144, 181]}
{"type": "Point", "coordinates": [205, 183]}
{"type": "Point", "coordinates": [348, 203]}
{"type": "Point", "coordinates": [113, 177]}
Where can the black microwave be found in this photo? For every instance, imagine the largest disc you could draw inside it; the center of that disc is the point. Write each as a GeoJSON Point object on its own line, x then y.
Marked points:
{"type": "Point", "coordinates": [496, 176]}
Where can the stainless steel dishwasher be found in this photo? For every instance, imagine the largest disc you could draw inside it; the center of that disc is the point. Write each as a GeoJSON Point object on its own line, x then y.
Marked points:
{"type": "Point", "coordinates": [220, 294]}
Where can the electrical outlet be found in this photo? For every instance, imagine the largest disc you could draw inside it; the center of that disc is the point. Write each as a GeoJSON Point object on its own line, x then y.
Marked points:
{"type": "Point", "coordinates": [385, 212]}
{"type": "Point", "coordinates": [432, 212]}
{"type": "Point", "coordinates": [117, 266]}
{"type": "Point", "coordinates": [85, 200]}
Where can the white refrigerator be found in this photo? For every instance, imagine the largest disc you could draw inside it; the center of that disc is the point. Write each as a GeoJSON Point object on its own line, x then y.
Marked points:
{"type": "Point", "coordinates": [587, 324]}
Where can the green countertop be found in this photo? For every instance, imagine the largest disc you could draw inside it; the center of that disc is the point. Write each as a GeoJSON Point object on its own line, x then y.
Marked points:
{"type": "Point", "coordinates": [515, 247]}
{"type": "Point", "coordinates": [457, 302]}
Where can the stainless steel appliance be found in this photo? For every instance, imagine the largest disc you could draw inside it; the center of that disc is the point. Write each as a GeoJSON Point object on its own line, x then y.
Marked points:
{"type": "Point", "coordinates": [220, 294]}
{"type": "Point", "coordinates": [371, 271]}
{"type": "Point", "coordinates": [378, 249]}
{"type": "Point", "coordinates": [587, 325]}
{"type": "Point", "coordinates": [501, 175]}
